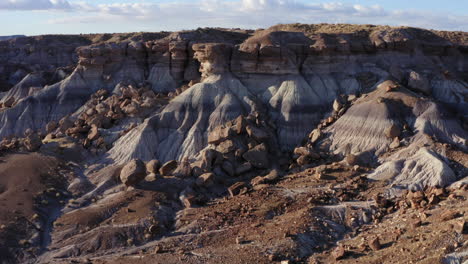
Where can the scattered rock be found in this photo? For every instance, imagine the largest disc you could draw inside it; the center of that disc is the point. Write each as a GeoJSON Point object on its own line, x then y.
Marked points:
{"type": "Point", "coordinates": [93, 133]}
{"type": "Point", "coordinates": [315, 135]}
{"type": "Point", "coordinates": [237, 188]}
{"type": "Point", "coordinates": [374, 244]}
{"type": "Point", "coordinates": [337, 105]}
{"type": "Point", "coordinates": [168, 168]}
{"type": "Point", "coordinates": [218, 135]}
{"type": "Point", "coordinates": [240, 125]}
{"type": "Point", "coordinates": [461, 227]}
{"type": "Point", "coordinates": [448, 215]}
{"type": "Point", "coordinates": [393, 131]}
{"type": "Point", "coordinates": [153, 166]}
{"type": "Point", "coordinates": [395, 143]}
{"type": "Point", "coordinates": [133, 172]}
{"type": "Point", "coordinates": [352, 159]}
{"type": "Point", "coordinates": [205, 180]}
{"type": "Point", "coordinates": [338, 252]}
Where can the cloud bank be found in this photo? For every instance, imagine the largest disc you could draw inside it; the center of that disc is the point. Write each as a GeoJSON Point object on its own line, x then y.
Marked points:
{"type": "Point", "coordinates": [234, 13]}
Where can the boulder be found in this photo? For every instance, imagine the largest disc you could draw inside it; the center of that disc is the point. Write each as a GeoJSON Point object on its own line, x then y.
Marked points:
{"type": "Point", "coordinates": [210, 157]}
{"type": "Point", "coordinates": [205, 180]}
{"type": "Point", "coordinates": [133, 173]}
{"type": "Point", "coordinates": [315, 135]}
{"type": "Point", "coordinates": [337, 105]}
{"type": "Point", "coordinates": [93, 133]}
{"type": "Point", "coordinates": [99, 120]}
{"type": "Point", "coordinates": [352, 159]}
{"type": "Point", "coordinates": [257, 156]}
{"type": "Point", "coordinates": [218, 135]}
{"type": "Point", "coordinates": [226, 146]}
{"type": "Point", "coordinates": [237, 188]}
{"type": "Point", "coordinates": [153, 166]}
{"type": "Point", "coordinates": [393, 131]}
{"type": "Point", "coordinates": [395, 143]}
{"type": "Point", "coordinates": [168, 168]}
{"type": "Point", "coordinates": [374, 244]}
{"type": "Point", "coordinates": [303, 160]}
{"type": "Point", "coordinates": [240, 125]}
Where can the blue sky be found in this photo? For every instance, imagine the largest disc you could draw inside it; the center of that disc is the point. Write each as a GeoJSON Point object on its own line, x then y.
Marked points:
{"type": "Point", "coordinates": [34, 17]}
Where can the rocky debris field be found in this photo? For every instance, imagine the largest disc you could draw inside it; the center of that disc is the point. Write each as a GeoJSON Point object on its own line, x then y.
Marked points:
{"type": "Point", "coordinates": [293, 144]}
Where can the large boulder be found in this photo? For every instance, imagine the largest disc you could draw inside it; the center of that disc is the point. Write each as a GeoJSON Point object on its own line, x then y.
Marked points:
{"type": "Point", "coordinates": [393, 131]}
{"type": "Point", "coordinates": [168, 168]}
{"type": "Point", "coordinates": [218, 135]}
{"type": "Point", "coordinates": [133, 173]}
{"type": "Point", "coordinates": [153, 166]}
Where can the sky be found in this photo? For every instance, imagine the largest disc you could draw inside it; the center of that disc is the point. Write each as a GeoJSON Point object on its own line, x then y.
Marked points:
{"type": "Point", "coordinates": [36, 17]}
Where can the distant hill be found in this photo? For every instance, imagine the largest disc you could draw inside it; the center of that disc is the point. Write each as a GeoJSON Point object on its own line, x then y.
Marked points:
{"type": "Point", "coordinates": [11, 37]}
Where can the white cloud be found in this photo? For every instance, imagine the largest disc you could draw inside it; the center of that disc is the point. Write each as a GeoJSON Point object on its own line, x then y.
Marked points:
{"type": "Point", "coordinates": [34, 4]}
{"type": "Point", "coordinates": [235, 13]}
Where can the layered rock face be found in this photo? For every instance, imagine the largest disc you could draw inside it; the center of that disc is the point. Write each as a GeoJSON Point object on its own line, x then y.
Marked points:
{"type": "Point", "coordinates": [20, 56]}
{"type": "Point", "coordinates": [291, 76]}
{"type": "Point", "coordinates": [294, 78]}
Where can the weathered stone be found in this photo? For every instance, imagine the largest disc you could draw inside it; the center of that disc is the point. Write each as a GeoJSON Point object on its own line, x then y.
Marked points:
{"type": "Point", "coordinates": [240, 125]}
{"type": "Point", "coordinates": [168, 168]}
{"type": "Point", "coordinates": [393, 131]}
{"type": "Point", "coordinates": [99, 120]}
{"type": "Point", "coordinates": [461, 227]}
{"type": "Point", "coordinates": [304, 160]}
{"type": "Point", "coordinates": [315, 135]}
{"type": "Point", "coordinates": [151, 177]}
{"type": "Point", "coordinates": [133, 172]}
{"type": "Point", "coordinates": [210, 157]}
{"type": "Point", "coordinates": [302, 151]}
{"type": "Point", "coordinates": [93, 133]}
{"type": "Point", "coordinates": [395, 143]}
{"type": "Point", "coordinates": [184, 169]}
{"type": "Point", "coordinates": [352, 159]}
{"type": "Point", "coordinates": [226, 146]}
{"type": "Point", "coordinates": [374, 244]}
{"type": "Point", "coordinates": [205, 180]}
{"type": "Point", "coordinates": [338, 252]}
{"type": "Point", "coordinates": [257, 156]}
{"type": "Point", "coordinates": [448, 215]}
{"type": "Point", "coordinates": [237, 188]}
{"type": "Point", "coordinates": [153, 166]}
{"type": "Point", "coordinates": [337, 105]}
{"type": "Point", "coordinates": [218, 135]}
